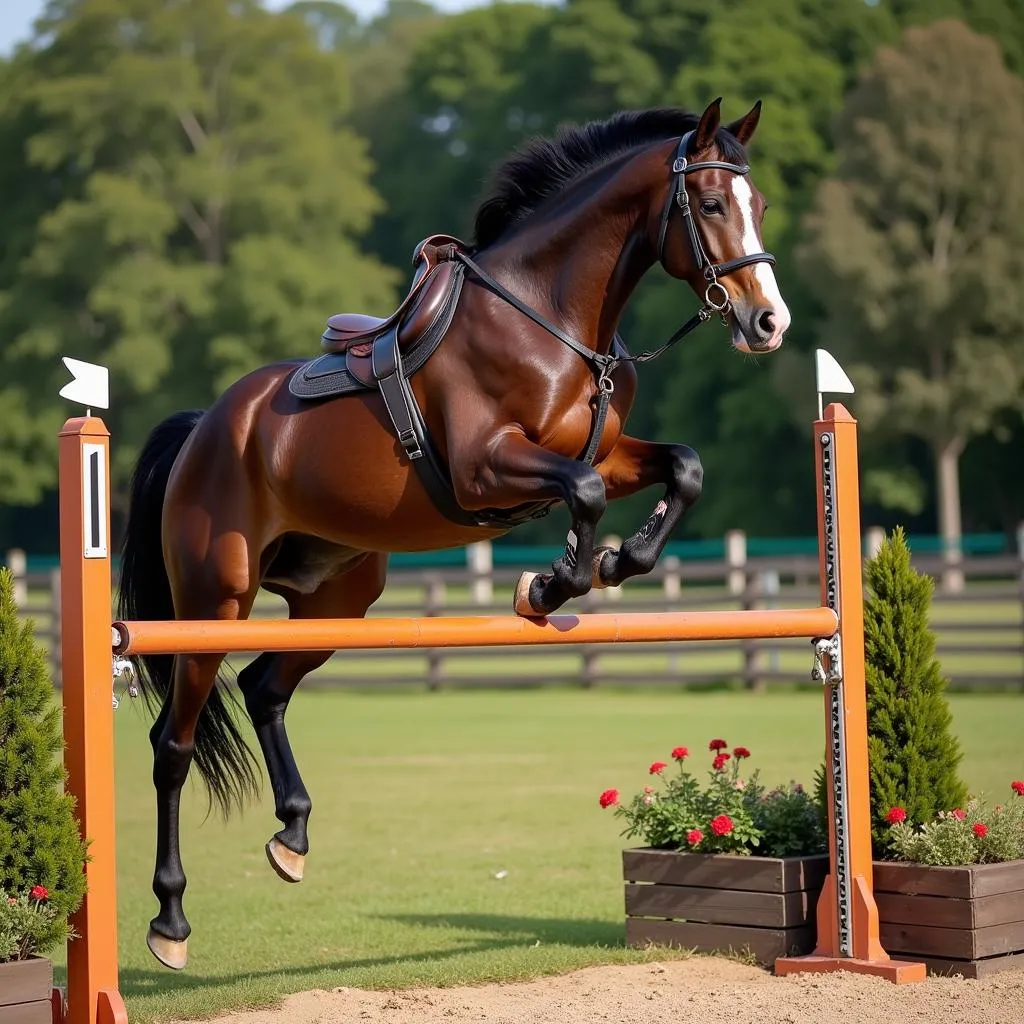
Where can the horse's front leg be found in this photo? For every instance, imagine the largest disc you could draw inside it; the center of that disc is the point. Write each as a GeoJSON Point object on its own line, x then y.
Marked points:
{"type": "Point", "coordinates": [518, 471]}
{"type": "Point", "coordinates": [630, 466]}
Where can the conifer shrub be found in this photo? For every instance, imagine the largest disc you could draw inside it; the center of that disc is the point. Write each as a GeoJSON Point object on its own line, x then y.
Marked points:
{"type": "Point", "coordinates": [913, 754]}
{"type": "Point", "coordinates": [42, 857]}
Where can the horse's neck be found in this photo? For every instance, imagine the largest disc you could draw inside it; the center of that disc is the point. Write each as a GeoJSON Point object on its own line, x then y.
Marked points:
{"type": "Point", "coordinates": [584, 262]}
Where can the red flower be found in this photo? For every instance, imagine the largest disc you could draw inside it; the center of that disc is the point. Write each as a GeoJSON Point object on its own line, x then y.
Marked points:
{"type": "Point", "coordinates": [719, 762]}
{"type": "Point", "coordinates": [39, 893]}
{"type": "Point", "coordinates": [740, 752]}
{"type": "Point", "coordinates": [980, 830]}
{"type": "Point", "coordinates": [657, 768]}
{"type": "Point", "coordinates": [648, 790]}
{"type": "Point", "coordinates": [609, 798]}
{"type": "Point", "coordinates": [1017, 787]}
{"type": "Point", "coordinates": [694, 836]}
{"type": "Point", "coordinates": [896, 814]}
{"type": "Point", "coordinates": [717, 745]}
{"type": "Point", "coordinates": [680, 752]}
{"type": "Point", "coordinates": [722, 825]}
{"type": "Point", "coordinates": [959, 814]}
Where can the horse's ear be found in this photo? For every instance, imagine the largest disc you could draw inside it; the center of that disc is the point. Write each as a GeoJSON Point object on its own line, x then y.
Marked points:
{"type": "Point", "coordinates": [704, 136]}
{"type": "Point", "coordinates": [743, 128]}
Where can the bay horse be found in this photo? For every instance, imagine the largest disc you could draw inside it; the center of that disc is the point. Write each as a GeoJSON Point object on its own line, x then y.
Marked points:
{"type": "Point", "coordinates": [519, 403]}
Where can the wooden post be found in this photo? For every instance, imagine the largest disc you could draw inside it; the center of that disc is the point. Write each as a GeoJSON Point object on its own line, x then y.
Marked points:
{"type": "Point", "coordinates": [672, 579]}
{"type": "Point", "coordinates": [18, 564]}
{"type": "Point", "coordinates": [847, 915]}
{"type": "Point", "coordinates": [435, 606]}
{"type": "Point", "coordinates": [736, 560]}
{"type": "Point", "coordinates": [874, 540]}
{"type": "Point", "coordinates": [480, 561]}
{"type": "Point", "coordinates": [55, 634]}
{"type": "Point", "coordinates": [87, 675]}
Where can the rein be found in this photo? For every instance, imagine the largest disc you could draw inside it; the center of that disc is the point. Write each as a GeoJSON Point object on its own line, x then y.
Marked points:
{"type": "Point", "coordinates": [605, 364]}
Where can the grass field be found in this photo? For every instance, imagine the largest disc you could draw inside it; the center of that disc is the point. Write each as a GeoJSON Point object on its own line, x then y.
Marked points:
{"type": "Point", "coordinates": [419, 800]}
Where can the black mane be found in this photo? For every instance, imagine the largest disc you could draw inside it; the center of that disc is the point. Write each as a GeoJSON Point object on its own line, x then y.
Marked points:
{"type": "Point", "coordinates": [545, 166]}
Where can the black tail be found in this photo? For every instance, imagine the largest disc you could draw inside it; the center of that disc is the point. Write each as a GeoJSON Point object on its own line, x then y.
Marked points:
{"type": "Point", "coordinates": [222, 756]}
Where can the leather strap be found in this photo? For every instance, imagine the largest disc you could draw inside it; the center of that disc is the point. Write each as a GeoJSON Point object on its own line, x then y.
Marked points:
{"type": "Point", "coordinates": [680, 168]}
{"type": "Point", "coordinates": [604, 399]}
{"type": "Point", "coordinates": [386, 360]}
{"type": "Point", "coordinates": [599, 359]}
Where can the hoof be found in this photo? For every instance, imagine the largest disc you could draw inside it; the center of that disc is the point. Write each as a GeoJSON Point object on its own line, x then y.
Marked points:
{"type": "Point", "coordinates": [595, 568]}
{"type": "Point", "coordinates": [171, 953]}
{"type": "Point", "coordinates": [521, 602]}
{"type": "Point", "coordinates": [287, 863]}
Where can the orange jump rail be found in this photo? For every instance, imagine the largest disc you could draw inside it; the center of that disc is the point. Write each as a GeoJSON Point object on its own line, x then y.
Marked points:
{"type": "Point", "coordinates": [224, 636]}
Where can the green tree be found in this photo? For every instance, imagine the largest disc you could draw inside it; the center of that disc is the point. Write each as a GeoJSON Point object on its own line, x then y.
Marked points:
{"type": "Point", "coordinates": [39, 840]}
{"type": "Point", "coordinates": [29, 418]}
{"type": "Point", "coordinates": [913, 755]}
{"type": "Point", "coordinates": [1001, 20]}
{"type": "Point", "coordinates": [917, 245]}
{"type": "Point", "coordinates": [481, 83]}
{"type": "Point", "coordinates": [335, 26]}
{"type": "Point", "coordinates": [211, 203]}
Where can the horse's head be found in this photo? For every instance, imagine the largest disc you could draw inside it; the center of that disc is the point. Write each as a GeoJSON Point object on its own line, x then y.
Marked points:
{"type": "Point", "coordinates": [709, 231]}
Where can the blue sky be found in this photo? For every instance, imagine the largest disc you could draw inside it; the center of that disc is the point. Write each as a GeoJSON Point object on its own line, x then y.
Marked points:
{"type": "Point", "coordinates": [16, 16]}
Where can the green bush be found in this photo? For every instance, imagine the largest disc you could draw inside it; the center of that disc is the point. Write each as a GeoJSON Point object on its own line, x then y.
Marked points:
{"type": "Point", "coordinates": [39, 841]}
{"type": "Point", "coordinates": [789, 822]}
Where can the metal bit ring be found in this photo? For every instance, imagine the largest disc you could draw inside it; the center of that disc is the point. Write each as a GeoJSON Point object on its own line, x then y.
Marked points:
{"type": "Point", "coordinates": [718, 307]}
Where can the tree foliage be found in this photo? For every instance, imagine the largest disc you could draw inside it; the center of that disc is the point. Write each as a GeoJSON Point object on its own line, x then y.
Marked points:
{"type": "Point", "coordinates": [210, 203]}
{"type": "Point", "coordinates": [917, 243]}
{"type": "Point", "coordinates": [199, 184]}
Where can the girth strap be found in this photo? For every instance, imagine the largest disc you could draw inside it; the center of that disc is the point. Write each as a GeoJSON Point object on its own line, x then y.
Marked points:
{"type": "Point", "coordinates": [386, 361]}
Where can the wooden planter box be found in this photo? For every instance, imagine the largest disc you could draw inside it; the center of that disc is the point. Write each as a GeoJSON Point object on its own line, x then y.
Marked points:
{"type": "Point", "coordinates": [957, 920]}
{"type": "Point", "coordinates": [25, 987]}
{"type": "Point", "coordinates": [722, 903]}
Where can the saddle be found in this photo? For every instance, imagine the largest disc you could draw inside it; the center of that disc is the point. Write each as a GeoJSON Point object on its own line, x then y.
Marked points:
{"type": "Point", "coordinates": [430, 287]}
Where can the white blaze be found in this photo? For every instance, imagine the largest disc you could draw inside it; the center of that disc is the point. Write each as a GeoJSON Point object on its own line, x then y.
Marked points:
{"type": "Point", "coordinates": [762, 271]}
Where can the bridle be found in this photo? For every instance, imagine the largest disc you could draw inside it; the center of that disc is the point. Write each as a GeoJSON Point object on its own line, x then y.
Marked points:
{"type": "Point", "coordinates": [605, 363]}
{"type": "Point", "coordinates": [711, 272]}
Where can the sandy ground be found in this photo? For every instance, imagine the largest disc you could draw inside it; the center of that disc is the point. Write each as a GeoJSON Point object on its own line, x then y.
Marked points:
{"type": "Point", "coordinates": [699, 990]}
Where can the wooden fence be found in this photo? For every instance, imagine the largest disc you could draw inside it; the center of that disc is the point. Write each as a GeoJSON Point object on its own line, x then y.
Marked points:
{"type": "Point", "coordinates": [978, 616]}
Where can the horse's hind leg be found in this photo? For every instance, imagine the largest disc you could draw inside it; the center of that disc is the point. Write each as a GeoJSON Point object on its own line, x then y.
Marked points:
{"type": "Point", "coordinates": [174, 742]}
{"type": "Point", "coordinates": [268, 684]}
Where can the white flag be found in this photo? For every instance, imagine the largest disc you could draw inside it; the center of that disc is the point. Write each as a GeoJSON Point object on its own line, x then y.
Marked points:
{"type": "Point", "coordinates": [831, 376]}
{"type": "Point", "coordinates": [89, 386]}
